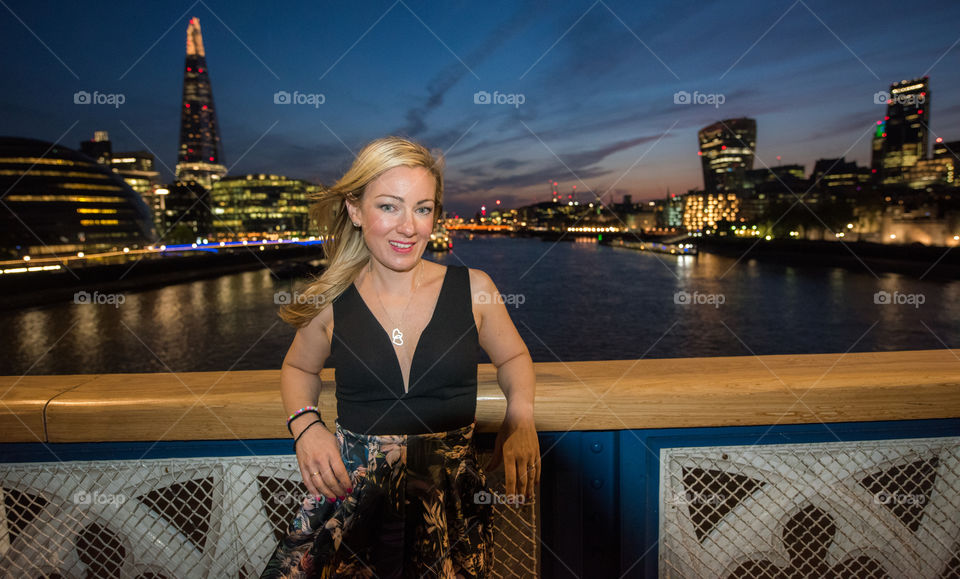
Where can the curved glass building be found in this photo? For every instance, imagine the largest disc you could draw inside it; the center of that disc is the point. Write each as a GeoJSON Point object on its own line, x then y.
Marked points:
{"type": "Point", "coordinates": [57, 201]}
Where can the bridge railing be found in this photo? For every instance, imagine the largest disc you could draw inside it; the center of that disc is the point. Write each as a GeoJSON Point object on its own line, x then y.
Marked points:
{"type": "Point", "coordinates": [705, 467]}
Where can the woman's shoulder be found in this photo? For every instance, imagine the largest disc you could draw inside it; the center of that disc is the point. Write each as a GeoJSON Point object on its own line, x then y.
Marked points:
{"type": "Point", "coordinates": [438, 272]}
{"type": "Point", "coordinates": [317, 334]}
{"type": "Point", "coordinates": [323, 321]}
{"type": "Point", "coordinates": [480, 281]}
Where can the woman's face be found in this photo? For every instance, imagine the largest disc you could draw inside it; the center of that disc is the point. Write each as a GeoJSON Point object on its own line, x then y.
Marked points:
{"type": "Point", "coordinates": [396, 215]}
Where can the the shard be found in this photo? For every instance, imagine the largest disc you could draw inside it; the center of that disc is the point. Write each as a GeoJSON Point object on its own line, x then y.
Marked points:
{"type": "Point", "coordinates": [200, 157]}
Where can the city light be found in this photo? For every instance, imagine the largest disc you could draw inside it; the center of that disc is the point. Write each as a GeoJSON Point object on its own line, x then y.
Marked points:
{"type": "Point", "coordinates": [733, 190]}
{"type": "Point", "coordinates": [609, 229]}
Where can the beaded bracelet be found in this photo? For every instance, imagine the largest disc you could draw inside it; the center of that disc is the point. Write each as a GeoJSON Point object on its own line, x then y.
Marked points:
{"type": "Point", "coordinates": [301, 412]}
{"type": "Point", "coordinates": [297, 439]}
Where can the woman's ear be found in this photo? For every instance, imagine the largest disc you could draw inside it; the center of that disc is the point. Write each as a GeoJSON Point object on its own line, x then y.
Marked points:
{"type": "Point", "coordinates": [353, 210]}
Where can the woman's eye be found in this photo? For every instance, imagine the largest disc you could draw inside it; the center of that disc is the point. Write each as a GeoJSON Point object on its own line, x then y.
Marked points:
{"type": "Point", "coordinates": [426, 210]}
{"type": "Point", "coordinates": [386, 207]}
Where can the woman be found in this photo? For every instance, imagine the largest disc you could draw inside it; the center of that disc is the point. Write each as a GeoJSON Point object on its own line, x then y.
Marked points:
{"type": "Point", "coordinates": [398, 489]}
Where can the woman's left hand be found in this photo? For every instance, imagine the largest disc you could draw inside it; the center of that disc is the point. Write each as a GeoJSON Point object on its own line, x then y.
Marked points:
{"type": "Point", "coordinates": [518, 448]}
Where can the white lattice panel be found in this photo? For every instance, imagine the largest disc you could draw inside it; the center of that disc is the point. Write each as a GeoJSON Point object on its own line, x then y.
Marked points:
{"type": "Point", "coordinates": [844, 509]}
{"type": "Point", "coordinates": [173, 518]}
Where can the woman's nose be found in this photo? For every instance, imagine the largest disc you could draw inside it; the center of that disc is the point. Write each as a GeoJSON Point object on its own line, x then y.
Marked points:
{"type": "Point", "coordinates": [406, 224]}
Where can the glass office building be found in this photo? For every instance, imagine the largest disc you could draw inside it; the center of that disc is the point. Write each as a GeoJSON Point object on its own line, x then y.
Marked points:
{"type": "Point", "coordinates": [726, 153]}
{"type": "Point", "coordinates": [260, 206]}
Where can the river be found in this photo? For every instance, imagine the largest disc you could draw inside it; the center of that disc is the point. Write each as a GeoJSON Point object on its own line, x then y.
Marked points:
{"type": "Point", "coordinates": [569, 300]}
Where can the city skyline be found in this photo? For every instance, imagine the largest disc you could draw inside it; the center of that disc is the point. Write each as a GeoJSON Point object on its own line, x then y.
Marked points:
{"type": "Point", "coordinates": [597, 84]}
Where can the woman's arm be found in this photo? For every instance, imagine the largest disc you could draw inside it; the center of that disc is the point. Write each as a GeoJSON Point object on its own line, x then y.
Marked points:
{"type": "Point", "coordinates": [300, 385]}
{"type": "Point", "coordinates": [517, 444]}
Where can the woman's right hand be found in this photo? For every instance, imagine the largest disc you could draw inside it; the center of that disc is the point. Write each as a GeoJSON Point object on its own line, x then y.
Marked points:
{"type": "Point", "coordinates": [318, 452]}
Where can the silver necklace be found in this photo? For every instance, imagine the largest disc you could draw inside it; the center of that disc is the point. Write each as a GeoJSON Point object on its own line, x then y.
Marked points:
{"type": "Point", "coordinates": [396, 336]}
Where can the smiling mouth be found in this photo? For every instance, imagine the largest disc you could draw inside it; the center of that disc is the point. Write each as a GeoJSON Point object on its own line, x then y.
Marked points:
{"type": "Point", "coordinates": [401, 245]}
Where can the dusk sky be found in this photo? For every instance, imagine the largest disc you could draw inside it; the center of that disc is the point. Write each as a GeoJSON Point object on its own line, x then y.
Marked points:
{"type": "Point", "coordinates": [597, 81]}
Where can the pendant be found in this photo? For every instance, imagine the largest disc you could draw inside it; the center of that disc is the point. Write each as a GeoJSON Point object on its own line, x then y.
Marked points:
{"type": "Point", "coordinates": [397, 337]}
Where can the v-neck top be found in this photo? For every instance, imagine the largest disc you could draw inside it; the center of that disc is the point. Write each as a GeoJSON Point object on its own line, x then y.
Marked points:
{"type": "Point", "coordinates": [443, 372]}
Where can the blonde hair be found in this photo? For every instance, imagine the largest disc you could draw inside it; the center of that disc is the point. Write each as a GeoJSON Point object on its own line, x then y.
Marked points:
{"type": "Point", "coordinates": [343, 244]}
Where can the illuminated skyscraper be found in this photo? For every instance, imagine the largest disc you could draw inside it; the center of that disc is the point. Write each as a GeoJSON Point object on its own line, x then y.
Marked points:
{"type": "Point", "coordinates": [200, 157]}
{"type": "Point", "coordinates": [726, 152]}
{"type": "Point", "coordinates": [902, 139]}
{"type": "Point", "coordinates": [949, 149]}
{"type": "Point", "coordinates": [876, 149]}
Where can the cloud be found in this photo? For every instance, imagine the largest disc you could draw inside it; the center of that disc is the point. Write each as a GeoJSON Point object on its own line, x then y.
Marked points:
{"type": "Point", "coordinates": [416, 124]}
{"type": "Point", "coordinates": [854, 125]}
{"type": "Point", "coordinates": [318, 162]}
{"type": "Point", "coordinates": [580, 166]}
{"type": "Point", "coordinates": [508, 164]}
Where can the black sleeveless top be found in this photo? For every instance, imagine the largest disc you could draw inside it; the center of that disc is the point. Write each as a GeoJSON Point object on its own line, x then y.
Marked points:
{"type": "Point", "coordinates": [443, 373]}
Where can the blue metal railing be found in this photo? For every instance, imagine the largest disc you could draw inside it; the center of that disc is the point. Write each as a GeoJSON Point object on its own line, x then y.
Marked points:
{"type": "Point", "coordinates": [600, 490]}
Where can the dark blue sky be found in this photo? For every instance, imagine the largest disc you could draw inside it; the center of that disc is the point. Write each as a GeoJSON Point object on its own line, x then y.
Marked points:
{"type": "Point", "coordinates": [598, 81]}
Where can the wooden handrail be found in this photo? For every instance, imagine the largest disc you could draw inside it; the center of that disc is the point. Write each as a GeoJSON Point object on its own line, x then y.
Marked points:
{"type": "Point", "coordinates": [604, 395]}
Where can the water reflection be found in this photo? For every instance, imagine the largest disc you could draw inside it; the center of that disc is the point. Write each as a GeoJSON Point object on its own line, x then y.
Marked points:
{"type": "Point", "coordinates": [582, 301]}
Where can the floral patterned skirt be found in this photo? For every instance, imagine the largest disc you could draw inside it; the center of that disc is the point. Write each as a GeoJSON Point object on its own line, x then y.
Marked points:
{"type": "Point", "coordinates": [413, 513]}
